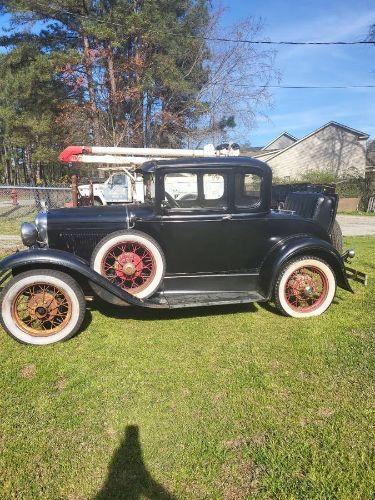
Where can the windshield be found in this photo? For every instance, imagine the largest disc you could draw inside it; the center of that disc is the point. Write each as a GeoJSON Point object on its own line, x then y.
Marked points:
{"type": "Point", "coordinates": [149, 187]}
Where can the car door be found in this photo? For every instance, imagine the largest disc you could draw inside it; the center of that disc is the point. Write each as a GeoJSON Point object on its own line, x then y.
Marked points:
{"type": "Point", "coordinates": [194, 225]}
{"type": "Point", "coordinates": [117, 189]}
{"type": "Point", "coordinates": [250, 222]}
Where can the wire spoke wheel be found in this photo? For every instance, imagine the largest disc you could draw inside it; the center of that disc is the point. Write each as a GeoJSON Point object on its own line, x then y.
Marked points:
{"type": "Point", "coordinates": [129, 265]}
{"type": "Point", "coordinates": [306, 289]}
{"type": "Point", "coordinates": [41, 309]}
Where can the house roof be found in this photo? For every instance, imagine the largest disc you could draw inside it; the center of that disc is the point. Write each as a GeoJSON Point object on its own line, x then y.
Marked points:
{"type": "Point", "coordinates": [283, 134]}
{"type": "Point", "coordinates": [361, 135]}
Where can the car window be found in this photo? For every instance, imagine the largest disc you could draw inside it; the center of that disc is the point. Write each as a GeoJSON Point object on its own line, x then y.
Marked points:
{"type": "Point", "coordinates": [247, 190]}
{"type": "Point", "coordinates": [119, 180]}
{"type": "Point", "coordinates": [214, 191]}
{"type": "Point", "coordinates": [181, 190]}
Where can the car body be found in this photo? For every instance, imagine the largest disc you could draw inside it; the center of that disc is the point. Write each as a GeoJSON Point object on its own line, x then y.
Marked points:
{"type": "Point", "coordinates": [208, 246]}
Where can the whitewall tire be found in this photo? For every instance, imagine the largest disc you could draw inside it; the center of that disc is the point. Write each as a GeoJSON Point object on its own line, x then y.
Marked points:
{"type": "Point", "coordinates": [42, 307]}
{"type": "Point", "coordinates": [131, 260]}
{"type": "Point", "coordinates": [305, 287]}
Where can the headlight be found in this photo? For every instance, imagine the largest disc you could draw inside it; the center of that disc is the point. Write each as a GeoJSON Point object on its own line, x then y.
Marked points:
{"type": "Point", "coordinates": [41, 225]}
{"type": "Point", "coordinates": [29, 234]}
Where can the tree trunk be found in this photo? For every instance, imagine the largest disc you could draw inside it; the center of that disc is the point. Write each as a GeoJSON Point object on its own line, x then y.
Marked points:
{"type": "Point", "coordinates": [87, 63]}
{"type": "Point", "coordinates": [28, 166]}
{"type": "Point", "coordinates": [113, 99]}
{"type": "Point", "coordinates": [148, 135]}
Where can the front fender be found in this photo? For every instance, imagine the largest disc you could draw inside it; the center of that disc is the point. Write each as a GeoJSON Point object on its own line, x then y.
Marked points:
{"type": "Point", "coordinates": [66, 262]}
{"type": "Point", "coordinates": [294, 247]}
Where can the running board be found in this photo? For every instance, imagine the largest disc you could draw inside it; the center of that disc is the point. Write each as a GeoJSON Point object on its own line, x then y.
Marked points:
{"type": "Point", "coordinates": [179, 300]}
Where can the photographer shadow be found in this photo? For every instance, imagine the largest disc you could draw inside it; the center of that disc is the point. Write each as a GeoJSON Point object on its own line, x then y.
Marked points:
{"type": "Point", "coordinates": [128, 477]}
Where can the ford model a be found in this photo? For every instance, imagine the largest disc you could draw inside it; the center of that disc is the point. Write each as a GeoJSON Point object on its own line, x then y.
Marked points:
{"type": "Point", "coordinates": [210, 246]}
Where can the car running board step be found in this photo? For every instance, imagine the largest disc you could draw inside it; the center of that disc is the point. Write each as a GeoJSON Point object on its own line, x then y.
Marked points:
{"type": "Point", "coordinates": [212, 299]}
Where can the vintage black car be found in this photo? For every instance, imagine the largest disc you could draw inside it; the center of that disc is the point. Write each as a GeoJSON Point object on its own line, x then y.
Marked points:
{"type": "Point", "coordinates": [218, 244]}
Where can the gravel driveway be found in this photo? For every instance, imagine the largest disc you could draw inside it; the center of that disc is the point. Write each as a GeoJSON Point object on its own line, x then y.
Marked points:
{"type": "Point", "coordinates": [355, 225]}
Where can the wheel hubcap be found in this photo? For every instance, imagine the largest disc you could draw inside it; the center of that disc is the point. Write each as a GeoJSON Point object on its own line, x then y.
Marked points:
{"type": "Point", "coordinates": [41, 309]}
{"type": "Point", "coordinates": [129, 265]}
{"type": "Point", "coordinates": [306, 289]}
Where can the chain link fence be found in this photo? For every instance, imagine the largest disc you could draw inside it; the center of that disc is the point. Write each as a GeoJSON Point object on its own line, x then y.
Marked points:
{"type": "Point", "coordinates": [22, 203]}
{"type": "Point", "coordinates": [36, 197]}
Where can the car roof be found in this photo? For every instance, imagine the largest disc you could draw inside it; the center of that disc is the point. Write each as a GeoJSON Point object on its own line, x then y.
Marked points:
{"type": "Point", "coordinates": [215, 162]}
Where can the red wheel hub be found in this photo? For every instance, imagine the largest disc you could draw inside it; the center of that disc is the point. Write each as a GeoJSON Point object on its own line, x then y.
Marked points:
{"type": "Point", "coordinates": [129, 265]}
{"type": "Point", "coordinates": [306, 289]}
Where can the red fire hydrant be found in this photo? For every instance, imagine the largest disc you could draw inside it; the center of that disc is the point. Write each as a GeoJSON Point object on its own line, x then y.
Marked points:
{"type": "Point", "coordinates": [14, 196]}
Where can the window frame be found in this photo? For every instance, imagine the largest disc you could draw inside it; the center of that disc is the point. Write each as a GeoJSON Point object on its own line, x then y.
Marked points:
{"type": "Point", "coordinates": [199, 172]}
{"type": "Point", "coordinates": [250, 208]}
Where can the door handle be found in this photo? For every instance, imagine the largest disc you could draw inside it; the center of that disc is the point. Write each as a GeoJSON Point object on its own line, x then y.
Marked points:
{"type": "Point", "coordinates": [226, 217]}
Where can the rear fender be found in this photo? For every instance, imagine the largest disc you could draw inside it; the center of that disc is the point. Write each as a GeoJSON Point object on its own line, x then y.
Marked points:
{"type": "Point", "coordinates": [69, 263]}
{"type": "Point", "coordinates": [298, 246]}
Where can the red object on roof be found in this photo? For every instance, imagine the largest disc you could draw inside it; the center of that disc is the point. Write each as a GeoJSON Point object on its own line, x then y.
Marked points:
{"type": "Point", "coordinates": [71, 153]}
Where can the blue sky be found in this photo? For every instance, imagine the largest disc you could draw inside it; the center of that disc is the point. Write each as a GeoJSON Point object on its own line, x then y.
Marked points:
{"type": "Point", "coordinates": [301, 111]}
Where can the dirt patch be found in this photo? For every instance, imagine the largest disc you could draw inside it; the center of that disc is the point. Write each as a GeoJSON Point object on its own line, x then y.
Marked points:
{"type": "Point", "coordinates": [28, 371]}
{"type": "Point", "coordinates": [240, 479]}
{"type": "Point", "coordinates": [61, 384]}
{"type": "Point", "coordinates": [110, 432]}
{"type": "Point", "coordinates": [325, 412]}
{"type": "Point", "coordinates": [258, 439]}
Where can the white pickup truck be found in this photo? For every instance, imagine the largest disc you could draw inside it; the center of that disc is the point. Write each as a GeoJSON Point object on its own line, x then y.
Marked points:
{"type": "Point", "coordinates": [120, 187]}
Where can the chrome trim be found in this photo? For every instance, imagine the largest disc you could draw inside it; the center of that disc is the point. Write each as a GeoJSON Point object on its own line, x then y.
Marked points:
{"type": "Point", "coordinates": [29, 234]}
{"type": "Point", "coordinates": [41, 224]}
{"type": "Point", "coordinates": [127, 218]}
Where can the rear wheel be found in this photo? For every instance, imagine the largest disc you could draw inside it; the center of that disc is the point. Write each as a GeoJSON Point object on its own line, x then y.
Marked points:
{"type": "Point", "coordinates": [42, 307]}
{"type": "Point", "coordinates": [305, 287]}
{"type": "Point", "coordinates": [336, 236]}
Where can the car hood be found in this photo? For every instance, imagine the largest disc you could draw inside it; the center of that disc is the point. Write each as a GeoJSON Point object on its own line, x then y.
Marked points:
{"type": "Point", "coordinates": [97, 216]}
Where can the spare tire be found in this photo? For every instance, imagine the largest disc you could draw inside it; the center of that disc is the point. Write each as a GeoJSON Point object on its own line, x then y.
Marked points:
{"type": "Point", "coordinates": [336, 236]}
{"type": "Point", "coordinates": [131, 260]}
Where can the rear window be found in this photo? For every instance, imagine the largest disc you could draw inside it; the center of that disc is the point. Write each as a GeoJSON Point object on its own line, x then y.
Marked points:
{"type": "Point", "coordinates": [247, 190]}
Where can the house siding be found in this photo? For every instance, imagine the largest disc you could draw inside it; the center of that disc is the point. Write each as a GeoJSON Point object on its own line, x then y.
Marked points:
{"type": "Point", "coordinates": [332, 148]}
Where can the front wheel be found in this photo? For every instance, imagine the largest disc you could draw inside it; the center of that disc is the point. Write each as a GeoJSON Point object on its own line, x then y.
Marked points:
{"type": "Point", "coordinates": [305, 287]}
{"type": "Point", "coordinates": [42, 307]}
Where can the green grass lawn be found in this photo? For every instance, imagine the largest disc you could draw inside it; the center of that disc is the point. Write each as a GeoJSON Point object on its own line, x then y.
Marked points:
{"type": "Point", "coordinates": [222, 402]}
{"type": "Point", "coordinates": [12, 217]}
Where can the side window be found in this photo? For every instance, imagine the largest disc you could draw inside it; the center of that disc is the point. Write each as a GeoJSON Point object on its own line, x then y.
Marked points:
{"type": "Point", "coordinates": [247, 190]}
{"type": "Point", "coordinates": [119, 180]}
{"type": "Point", "coordinates": [214, 191]}
{"type": "Point", "coordinates": [181, 190]}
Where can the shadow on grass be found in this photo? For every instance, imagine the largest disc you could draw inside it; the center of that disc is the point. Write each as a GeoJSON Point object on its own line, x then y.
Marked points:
{"type": "Point", "coordinates": [17, 210]}
{"type": "Point", "coordinates": [146, 314]}
{"type": "Point", "coordinates": [271, 308]}
{"type": "Point", "coordinates": [128, 477]}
